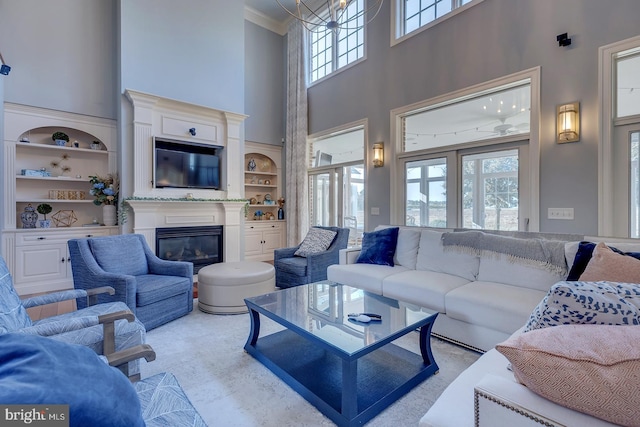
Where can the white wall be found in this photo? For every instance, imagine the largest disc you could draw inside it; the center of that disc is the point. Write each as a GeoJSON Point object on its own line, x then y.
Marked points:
{"type": "Point", "coordinates": [492, 39]}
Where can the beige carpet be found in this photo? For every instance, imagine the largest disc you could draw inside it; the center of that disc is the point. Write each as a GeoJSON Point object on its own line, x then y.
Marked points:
{"type": "Point", "coordinates": [230, 388]}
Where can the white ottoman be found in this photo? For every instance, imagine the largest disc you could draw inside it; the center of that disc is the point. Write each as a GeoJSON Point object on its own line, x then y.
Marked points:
{"type": "Point", "coordinates": [222, 287]}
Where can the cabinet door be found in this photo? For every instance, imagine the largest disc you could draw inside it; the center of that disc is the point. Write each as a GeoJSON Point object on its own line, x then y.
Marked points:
{"type": "Point", "coordinates": [272, 240]}
{"type": "Point", "coordinates": [252, 242]}
{"type": "Point", "coordinates": [41, 263]}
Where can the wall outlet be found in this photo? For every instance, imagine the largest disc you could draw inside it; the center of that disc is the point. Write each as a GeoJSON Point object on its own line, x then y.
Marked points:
{"type": "Point", "coordinates": [560, 213]}
{"type": "Point", "coordinates": [375, 211]}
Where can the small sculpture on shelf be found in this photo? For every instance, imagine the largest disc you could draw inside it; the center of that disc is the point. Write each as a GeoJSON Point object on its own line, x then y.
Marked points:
{"type": "Point", "coordinates": [64, 218]}
{"type": "Point", "coordinates": [252, 165]}
{"type": "Point", "coordinates": [281, 208]}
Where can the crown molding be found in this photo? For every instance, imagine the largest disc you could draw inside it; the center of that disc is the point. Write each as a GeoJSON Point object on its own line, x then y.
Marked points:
{"type": "Point", "coordinates": [264, 21]}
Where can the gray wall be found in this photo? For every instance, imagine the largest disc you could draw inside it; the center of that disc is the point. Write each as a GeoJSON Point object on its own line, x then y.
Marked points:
{"type": "Point", "coordinates": [489, 40]}
{"type": "Point", "coordinates": [62, 54]}
{"type": "Point", "coordinates": [264, 84]}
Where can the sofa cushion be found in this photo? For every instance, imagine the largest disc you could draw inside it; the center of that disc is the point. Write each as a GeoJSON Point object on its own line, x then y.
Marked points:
{"type": "Point", "coordinates": [578, 254]}
{"type": "Point", "coordinates": [431, 256]}
{"type": "Point", "coordinates": [493, 305]}
{"type": "Point", "coordinates": [501, 269]}
{"type": "Point", "coordinates": [589, 368]}
{"type": "Point", "coordinates": [316, 241]}
{"type": "Point", "coordinates": [152, 288]}
{"type": "Point", "coordinates": [365, 276]}
{"type": "Point", "coordinates": [121, 255]}
{"type": "Point", "coordinates": [605, 264]}
{"type": "Point", "coordinates": [407, 248]}
{"type": "Point", "coordinates": [603, 303]}
{"type": "Point", "coordinates": [378, 247]}
{"type": "Point", "coordinates": [296, 266]}
{"type": "Point", "coordinates": [424, 288]}
{"type": "Point", "coordinates": [36, 370]}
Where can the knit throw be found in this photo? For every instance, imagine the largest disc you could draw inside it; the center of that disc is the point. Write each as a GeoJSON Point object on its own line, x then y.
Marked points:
{"type": "Point", "coordinates": [538, 253]}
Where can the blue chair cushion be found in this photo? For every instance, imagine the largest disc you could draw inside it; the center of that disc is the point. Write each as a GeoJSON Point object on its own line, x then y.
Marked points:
{"type": "Point", "coordinates": [151, 288]}
{"type": "Point", "coordinates": [296, 266]}
{"type": "Point", "coordinates": [378, 247]}
{"type": "Point", "coordinates": [120, 254]}
{"type": "Point", "coordinates": [13, 315]}
{"type": "Point", "coordinates": [35, 370]}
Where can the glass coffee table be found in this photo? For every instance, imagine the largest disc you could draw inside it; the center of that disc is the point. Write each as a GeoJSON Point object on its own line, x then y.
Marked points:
{"type": "Point", "coordinates": [349, 370]}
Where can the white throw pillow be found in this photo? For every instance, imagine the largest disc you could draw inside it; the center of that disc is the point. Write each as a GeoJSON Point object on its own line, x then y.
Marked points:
{"type": "Point", "coordinates": [432, 257]}
{"type": "Point", "coordinates": [317, 240]}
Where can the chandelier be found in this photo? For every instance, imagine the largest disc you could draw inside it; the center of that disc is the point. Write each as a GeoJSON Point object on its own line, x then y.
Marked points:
{"type": "Point", "coordinates": [321, 15]}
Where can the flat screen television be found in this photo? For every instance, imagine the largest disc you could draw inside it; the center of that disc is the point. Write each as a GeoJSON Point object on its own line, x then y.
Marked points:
{"type": "Point", "coordinates": [185, 165]}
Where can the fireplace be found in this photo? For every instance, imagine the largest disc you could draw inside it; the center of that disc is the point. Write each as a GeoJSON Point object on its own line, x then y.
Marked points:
{"type": "Point", "coordinates": [200, 245]}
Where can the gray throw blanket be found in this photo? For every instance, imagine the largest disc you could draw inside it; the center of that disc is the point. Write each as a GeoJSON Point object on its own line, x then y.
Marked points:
{"type": "Point", "coordinates": [539, 253]}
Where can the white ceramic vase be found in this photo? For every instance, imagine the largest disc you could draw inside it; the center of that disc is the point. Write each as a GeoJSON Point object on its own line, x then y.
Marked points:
{"type": "Point", "coordinates": [109, 214]}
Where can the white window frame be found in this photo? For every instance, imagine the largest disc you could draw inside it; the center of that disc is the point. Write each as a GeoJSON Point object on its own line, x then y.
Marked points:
{"type": "Point", "coordinates": [397, 20]}
{"type": "Point", "coordinates": [334, 54]}
{"type": "Point", "coordinates": [337, 198]}
{"type": "Point", "coordinates": [606, 164]}
{"type": "Point", "coordinates": [397, 195]}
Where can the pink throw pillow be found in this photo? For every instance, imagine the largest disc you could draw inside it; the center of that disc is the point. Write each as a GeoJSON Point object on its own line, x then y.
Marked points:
{"type": "Point", "coordinates": [605, 264]}
{"type": "Point", "coordinates": [594, 369]}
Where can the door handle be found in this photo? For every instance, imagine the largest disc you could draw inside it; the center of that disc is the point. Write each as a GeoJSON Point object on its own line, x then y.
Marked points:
{"type": "Point", "coordinates": [62, 260]}
{"type": "Point", "coordinates": [41, 238]}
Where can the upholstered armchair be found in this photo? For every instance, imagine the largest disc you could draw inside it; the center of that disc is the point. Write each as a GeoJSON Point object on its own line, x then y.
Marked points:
{"type": "Point", "coordinates": [102, 327]}
{"type": "Point", "coordinates": [155, 290]}
{"type": "Point", "coordinates": [294, 270]}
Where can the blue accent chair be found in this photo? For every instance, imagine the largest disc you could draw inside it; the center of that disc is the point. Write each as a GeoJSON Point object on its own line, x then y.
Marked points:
{"type": "Point", "coordinates": [155, 290]}
{"type": "Point", "coordinates": [294, 270]}
{"type": "Point", "coordinates": [85, 327]}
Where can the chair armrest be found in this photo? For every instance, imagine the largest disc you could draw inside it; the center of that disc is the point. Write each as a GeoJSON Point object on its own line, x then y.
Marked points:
{"type": "Point", "coordinates": [349, 255]}
{"type": "Point", "coordinates": [50, 328]}
{"type": "Point", "coordinates": [53, 297]}
{"type": "Point", "coordinates": [284, 252]}
{"type": "Point", "coordinates": [125, 356]}
{"type": "Point", "coordinates": [170, 268]}
{"type": "Point", "coordinates": [92, 294]}
{"type": "Point", "coordinates": [108, 323]}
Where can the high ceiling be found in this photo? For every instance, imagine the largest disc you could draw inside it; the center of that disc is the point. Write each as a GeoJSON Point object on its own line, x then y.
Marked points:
{"type": "Point", "coordinates": [271, 8]}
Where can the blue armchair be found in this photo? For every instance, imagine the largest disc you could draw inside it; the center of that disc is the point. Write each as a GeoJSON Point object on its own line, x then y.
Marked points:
{"type": "Point", "coordinates": [155, 290]}
{"type": "Point", "coordinates": [102, 327]}
{"type": "Point", "coordinates": [294, 270]}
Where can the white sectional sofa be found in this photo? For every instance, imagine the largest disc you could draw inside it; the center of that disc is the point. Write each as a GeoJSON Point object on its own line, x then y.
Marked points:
{"type": "Point", "coordinates": [483, 299]}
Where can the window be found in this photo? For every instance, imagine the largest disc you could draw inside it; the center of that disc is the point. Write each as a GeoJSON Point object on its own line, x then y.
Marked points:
{"type": "Point", "coordinates": [337, 179]}
{"type": "Point", "coordinates": [619, 196]}
{"type": "Point", "coordinates": [414, 15]}
{"type": "Point", "coordinates": [334, 49]}
{"type": "Point", "coordinates": [469, 159]}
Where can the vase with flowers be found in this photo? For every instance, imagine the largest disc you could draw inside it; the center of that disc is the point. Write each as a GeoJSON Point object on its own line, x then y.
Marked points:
{"type": "Point", "coordinates": [105, 192]}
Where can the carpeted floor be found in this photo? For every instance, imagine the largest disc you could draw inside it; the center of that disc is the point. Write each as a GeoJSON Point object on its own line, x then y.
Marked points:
{"type": "Point", "coordinates": [230, 388]}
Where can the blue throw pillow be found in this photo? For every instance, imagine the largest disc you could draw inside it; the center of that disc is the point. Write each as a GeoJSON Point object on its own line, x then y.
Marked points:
{"type": "Point", "coordinates": [583, 256]}
{"type": "Point", "coordinates": [378, 247]}
{"type": "Point", "coordinates": [36, 370]}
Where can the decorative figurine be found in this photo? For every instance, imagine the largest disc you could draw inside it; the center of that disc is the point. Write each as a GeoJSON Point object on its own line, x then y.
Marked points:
{"type": "Point", "coordinates": [29, 217]}
{"type": "Point", "coordinates": [252, 165]}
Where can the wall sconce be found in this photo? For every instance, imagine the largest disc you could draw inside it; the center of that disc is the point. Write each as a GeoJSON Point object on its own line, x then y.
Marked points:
{"type": "Point", "coordinates": [568, 129]}
{"type": "Point", "coordinates": [378, 154]}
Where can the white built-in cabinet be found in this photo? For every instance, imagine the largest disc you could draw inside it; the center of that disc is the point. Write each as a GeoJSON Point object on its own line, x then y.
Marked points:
{"type": "Point", "coordinates": [263, 180]}
{"type": "Point", "coordinates": [38, 257]}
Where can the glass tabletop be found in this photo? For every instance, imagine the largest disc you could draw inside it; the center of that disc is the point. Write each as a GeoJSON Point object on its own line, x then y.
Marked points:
{"type": "Point", "coordinates": [321, 310]}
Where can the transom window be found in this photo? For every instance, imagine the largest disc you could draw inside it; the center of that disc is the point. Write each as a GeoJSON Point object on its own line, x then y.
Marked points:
{"type": "Point", "coordinates": [416, 14]}
{"type": "Point", "coordinates": [334, 49]}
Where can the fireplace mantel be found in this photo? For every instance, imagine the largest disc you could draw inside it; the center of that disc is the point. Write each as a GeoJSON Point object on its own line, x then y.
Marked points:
{"type": "Point", "coordinates": [151, 214]}
{"type": "Point", "coordinates": [155, 116]}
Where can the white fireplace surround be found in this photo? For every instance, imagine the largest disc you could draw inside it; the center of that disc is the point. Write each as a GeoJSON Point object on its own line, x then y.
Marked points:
{"type": "Point", "coordinates": [153, 208]}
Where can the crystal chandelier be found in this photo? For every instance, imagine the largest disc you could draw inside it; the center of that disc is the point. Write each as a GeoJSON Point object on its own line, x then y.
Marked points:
{"type": "Point", "coordinates": [321, 15]}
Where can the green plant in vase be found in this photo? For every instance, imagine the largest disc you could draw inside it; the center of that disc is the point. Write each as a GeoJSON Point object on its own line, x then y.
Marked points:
{"type": "Point", "coordinates": [60, 138]}
{"type": "Point", "coordinates": [44, 209]}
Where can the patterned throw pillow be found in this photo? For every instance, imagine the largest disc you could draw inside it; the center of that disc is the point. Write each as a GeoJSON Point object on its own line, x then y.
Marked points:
{"type": "Point", "coordinates": [596, 303]}
{"type": "Point", "coordinates": [589, 368]}
{"type": "Point", "coordinates": [317, 240]}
